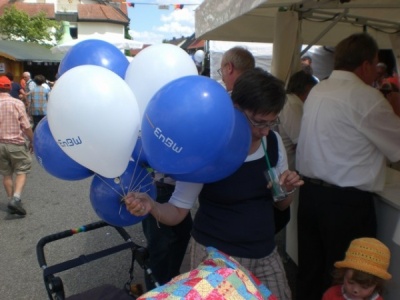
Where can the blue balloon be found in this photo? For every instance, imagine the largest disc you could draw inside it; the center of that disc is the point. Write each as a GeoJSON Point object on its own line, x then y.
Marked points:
{"type": "Point", "coordinates": [230, 159]}
{"type": "Point", "coordinates": [52, 158]}
{"type": "Point", "coordinates": [94, 52]}
{"type": "Point", "coordinates": [187, 124]}
{"type": "Point", "coordinates": [106, 194]}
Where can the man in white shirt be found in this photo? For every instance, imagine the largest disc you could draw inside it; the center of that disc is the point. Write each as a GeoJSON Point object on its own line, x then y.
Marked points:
{"type": "Point", "coordinates": [347, 132]}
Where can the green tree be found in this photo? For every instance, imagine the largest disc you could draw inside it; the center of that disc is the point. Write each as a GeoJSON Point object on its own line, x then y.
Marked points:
{"type": "Point", "coordinates": [18, 25]}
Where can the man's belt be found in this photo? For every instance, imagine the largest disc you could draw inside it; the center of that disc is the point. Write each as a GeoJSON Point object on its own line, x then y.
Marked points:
{"type": "Point", "coordinates": [327, 184]}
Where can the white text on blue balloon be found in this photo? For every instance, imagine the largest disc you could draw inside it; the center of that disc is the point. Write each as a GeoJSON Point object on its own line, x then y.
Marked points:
{"type": "Point", "coordinates": [167, 141]}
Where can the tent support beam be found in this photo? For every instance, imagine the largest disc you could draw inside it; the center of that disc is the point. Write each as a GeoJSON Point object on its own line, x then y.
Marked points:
{"type": "Point", "coordinates": [329, 27]}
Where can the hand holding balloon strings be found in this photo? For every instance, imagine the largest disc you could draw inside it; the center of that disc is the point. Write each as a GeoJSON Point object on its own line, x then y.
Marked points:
{"type": "Point", "coordinates": [133, 186]}
{"type": "Point", "coordinates": [139, 204]}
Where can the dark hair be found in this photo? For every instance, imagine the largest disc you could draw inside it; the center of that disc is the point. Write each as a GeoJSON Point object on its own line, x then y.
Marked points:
{"type": "Point", "coordinates": [299, 82]}
{"type": "Point", "coordinates": [351, 52]}
{"type": "Point", "coordinates": [10, 76]}
{"type": "Point", "coordinates": [360, 277]}
{"type": "Point", "coordinates": [39, 79]}
{"type": "Point", "coordinates": [259, 92]}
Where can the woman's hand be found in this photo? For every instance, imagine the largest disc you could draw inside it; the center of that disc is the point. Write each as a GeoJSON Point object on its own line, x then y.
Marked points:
{"type": "Point", "coordinates": [139, 204]}
{"type": "Point", "coordinates": [291, 180]}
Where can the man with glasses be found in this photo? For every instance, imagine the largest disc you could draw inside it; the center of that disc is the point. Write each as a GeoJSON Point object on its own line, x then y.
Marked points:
{"type": "Point", "coordinates": [233, 63]}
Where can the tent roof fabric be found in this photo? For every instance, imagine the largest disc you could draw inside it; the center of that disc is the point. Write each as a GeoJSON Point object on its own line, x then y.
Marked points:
{"type": "Point", "coordinates": [23, 51]}
{"type": "Point", "coordinates": [254, 20]}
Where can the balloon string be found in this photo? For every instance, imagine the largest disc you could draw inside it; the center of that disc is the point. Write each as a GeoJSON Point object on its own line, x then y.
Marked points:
{"type": "Point", "coordinates": [137, 187]}
{"type": "Point", "coordinates": [106, 183]}
{"type": "Point", "coordinates": [131, 186]}
{"type": "Point", "coordinates": [122, 202]}
{"type": "Point", "coordinates": [132, 183]}
{"type": "Point", "coordinates": [134, 186]}
{"type": "Point", "coordinates": [134, 171]}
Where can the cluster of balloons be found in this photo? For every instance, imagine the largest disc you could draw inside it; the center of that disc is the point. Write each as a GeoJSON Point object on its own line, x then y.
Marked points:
{"type": "Point", "coordinates": [109, 118]}
{"type": "Point", "coordinates": [201, 138]}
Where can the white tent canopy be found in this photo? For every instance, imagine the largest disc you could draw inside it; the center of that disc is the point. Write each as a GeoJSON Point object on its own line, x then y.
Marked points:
{"type": "Point", "coordinates": [290, 23]}
{"type": "Point", "coordinates": [254, 20]}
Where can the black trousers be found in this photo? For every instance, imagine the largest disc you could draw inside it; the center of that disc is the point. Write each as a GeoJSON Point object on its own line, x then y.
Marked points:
{"type": "Point", "coordinates": [167, 244]}
{"type": "Point", "coordinates": [329, 218]}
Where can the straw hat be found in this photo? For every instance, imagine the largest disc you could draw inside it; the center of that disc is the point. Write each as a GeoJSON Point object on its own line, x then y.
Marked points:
{"type": "Point", "coordinates": [368, 255]}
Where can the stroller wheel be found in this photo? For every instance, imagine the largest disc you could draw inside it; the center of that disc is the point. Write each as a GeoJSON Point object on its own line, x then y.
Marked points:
{"type": "Point", "coordinates": [56, 288]}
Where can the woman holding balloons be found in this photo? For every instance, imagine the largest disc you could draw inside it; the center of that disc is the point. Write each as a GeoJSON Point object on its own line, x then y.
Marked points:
{"type": "Point", "coordinates": [235, 214]}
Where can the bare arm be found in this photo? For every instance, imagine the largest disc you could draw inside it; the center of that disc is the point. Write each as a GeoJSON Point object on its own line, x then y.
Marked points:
{"type": "Point", "coordinates": [29, 134]}
{"type": "Point", "coordinates": [140, 204]}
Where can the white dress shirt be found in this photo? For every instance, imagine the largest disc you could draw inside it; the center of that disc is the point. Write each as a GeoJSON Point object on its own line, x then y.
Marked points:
{"type": "Point", "coordinates": [289, 128]}
{"type": "Point", "coordinates": [347, 130]}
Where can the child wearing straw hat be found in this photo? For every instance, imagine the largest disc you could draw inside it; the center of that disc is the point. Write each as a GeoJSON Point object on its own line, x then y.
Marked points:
{"type": "Point", "coordinates": [361, 275]}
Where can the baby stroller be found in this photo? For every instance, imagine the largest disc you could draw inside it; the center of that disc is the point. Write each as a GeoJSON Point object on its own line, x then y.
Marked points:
{"type": "Point", "coordinates": [54, 285]}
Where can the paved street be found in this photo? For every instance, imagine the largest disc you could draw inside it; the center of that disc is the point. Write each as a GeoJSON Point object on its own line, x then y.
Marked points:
{"type": "Point", "coordinates": [55, 205]}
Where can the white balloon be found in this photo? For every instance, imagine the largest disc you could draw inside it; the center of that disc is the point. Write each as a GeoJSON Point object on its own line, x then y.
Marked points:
{"type": "Point", "coordinates": [94, 117]}
{"type": "Point", "coordinates": [154, 67]}
{"type": "Point", "coordinates": [199, 56]}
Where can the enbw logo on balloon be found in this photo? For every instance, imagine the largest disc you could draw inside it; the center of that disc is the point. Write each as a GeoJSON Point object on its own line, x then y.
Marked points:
{"type": "Point", "coordinates": [70, 142]}
{"type": "Point", "coordinates": [166, 140]}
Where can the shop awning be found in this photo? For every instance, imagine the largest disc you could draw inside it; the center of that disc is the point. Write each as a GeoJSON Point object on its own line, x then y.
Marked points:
{"type": "Point", "coordinates": [23, 51]}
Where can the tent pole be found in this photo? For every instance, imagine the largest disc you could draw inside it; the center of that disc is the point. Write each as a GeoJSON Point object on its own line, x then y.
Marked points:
{"type": "Point", "coordinates": [329, 27]}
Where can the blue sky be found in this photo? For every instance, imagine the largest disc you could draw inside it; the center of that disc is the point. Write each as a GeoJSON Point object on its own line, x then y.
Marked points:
{"type": "Point", "coordinates": [151, 25]}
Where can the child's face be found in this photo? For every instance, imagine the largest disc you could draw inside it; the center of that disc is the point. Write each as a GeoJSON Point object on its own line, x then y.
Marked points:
{"type": "Point", "coordinates": [355, 290]}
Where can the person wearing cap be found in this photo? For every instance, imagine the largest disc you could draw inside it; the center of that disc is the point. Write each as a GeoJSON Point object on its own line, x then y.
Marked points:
{"type": "Point", "coordinates": [15, 156]}
{"type": "Point", "coordinates": [363, 272]}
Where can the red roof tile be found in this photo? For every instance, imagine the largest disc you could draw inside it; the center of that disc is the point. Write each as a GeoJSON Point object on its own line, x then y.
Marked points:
{"type": "Point", "coordinates": [136, 51]}
{"type": "Point", "coordinates": [32, 9]}
{"type": "Point", "coordinates": [100, 12]}
{"type": "Point", "coordinates": [96, 11]}
{"type": "Point", "coordinates": [196, 44]}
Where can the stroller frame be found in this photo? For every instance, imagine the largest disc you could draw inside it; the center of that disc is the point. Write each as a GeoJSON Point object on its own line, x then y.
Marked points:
{"type": "Point", "coordinates": [54, 285]}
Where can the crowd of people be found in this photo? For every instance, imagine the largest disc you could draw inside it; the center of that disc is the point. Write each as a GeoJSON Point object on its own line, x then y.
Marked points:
{"type": "Point", "coordinates": [339, 134]}
{"type": "Point", "coordinates": [330, 141]}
